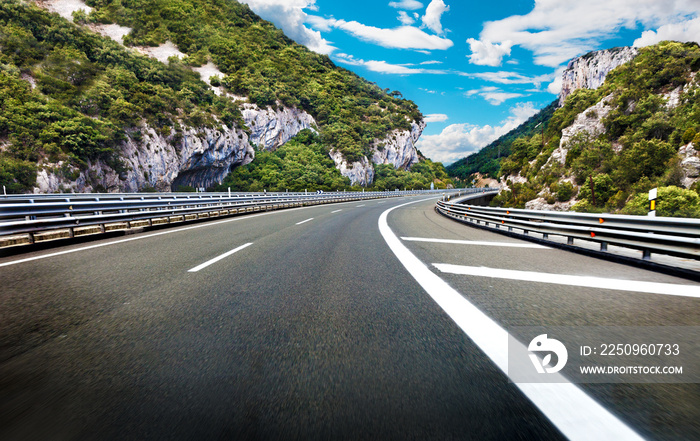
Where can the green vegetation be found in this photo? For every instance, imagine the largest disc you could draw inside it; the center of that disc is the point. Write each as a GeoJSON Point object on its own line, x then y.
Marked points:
{"type": "Point", "coordinates": [304, 164]}
{"type": "Point", "coordinates": [418, 178]}
{"type": "Point", "coordinates": [91, 92]}
{"type": "Point", "coordinates": [672, 201]}
{"type": "Point", "coordinates": [487, 161]}
{"type": "Point", "coordinates": [260, 62]}
{"type": "Point", "coordinates": [301, 164]}
{"type": "Point", "coordinates": [638, 150]}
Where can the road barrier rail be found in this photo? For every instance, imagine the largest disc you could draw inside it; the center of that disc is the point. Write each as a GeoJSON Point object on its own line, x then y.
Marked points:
{"type": "Point", "coordinates": [666, 235]}
{"type": "Point", "coordinates": [26, 219]}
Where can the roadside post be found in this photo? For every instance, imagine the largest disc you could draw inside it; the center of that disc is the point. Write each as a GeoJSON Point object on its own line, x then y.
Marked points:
{"type": "Point", "coordinates": [653, 193]}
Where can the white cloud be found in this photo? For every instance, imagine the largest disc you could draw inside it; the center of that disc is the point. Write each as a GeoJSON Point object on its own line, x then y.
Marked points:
{"type": "Point", "coordinates": [289, 16]}
{"type": "Point", "coordinates": [684, 31]}
{"type": "Point", "coordinates": [410, 5]}
{"type": "Point", "coordinates": [459, 140]}
{"type": "Point", "coordinates": [403, 37]}
{"type": "Point", "coordinates": [493, 95]}
{"type": "Point", "coordinates": [384, 67]}
{"type": "Point", "coordinates": [433, 16]}
{"type": "Point", "coordinates": [431, 62]}
{"type": "Point", "coordinates": [435, 117]}
{"type": "Point", "coordinates": [558, 30]}
{"type": "Point", "coordinates": [405, 19]}
{"type": "Point", "coordinates": [505, 77]}
{"type": "Point", "coordinates": [485, 53]}
{"type": "Point", "coordinates": [555, 86]}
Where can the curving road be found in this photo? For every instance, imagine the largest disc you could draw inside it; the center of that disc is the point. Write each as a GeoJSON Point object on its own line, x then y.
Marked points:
{"type": "Point", "coordinates": [324, 322]}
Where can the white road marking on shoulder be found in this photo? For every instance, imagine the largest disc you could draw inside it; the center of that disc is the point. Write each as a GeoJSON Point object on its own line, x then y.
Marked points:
{"type": "Point", "coordinates": [216, 259]}
{"type": "Point", "coordinates": [572, 411]}
{"type": "Point", "coordinates": [305, 221]}
{"type": "Point", "coordinates": [476, 242]}
{"type": "Point", "coordinates": [669, 289]}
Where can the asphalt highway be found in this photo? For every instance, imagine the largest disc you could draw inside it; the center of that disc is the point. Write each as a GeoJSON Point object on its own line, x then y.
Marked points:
{"type": "Point", "coordinates": [315, 323]}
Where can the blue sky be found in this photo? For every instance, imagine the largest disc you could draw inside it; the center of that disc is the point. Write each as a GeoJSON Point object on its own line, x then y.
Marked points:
{"type": "Point", "coordinates": [476, 69]}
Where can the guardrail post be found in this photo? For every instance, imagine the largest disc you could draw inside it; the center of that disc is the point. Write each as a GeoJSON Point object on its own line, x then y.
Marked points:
{"type": "Point", "coordinates": [603, 246]}
{"type": "Point", "coordinates": [646, 255]}
{"type": "Point", "coordinates": [569, 240]}
{"type": "Point", "coordinates": [545, 236]}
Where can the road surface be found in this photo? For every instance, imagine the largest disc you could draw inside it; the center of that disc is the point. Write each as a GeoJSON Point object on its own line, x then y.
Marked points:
{"type": "Point", "coordinates": [314, 323]}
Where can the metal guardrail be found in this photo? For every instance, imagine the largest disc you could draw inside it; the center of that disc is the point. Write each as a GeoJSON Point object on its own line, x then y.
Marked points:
{"type": "Point", "coordinates": [26, 219]}
{"type": "Point", "coordinates": [666, 235]}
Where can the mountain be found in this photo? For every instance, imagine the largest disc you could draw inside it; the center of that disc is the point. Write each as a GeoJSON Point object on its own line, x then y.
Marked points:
{"type": "Point", "coordinates": [487, 160]}
{"type": "Point", "coordinates": [163, 94]}
{"type": "Point", "coordinates": [620, 132]}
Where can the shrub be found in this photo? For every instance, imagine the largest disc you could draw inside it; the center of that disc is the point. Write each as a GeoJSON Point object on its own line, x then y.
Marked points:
{"type": "Point", "coordinates": [671, 201]}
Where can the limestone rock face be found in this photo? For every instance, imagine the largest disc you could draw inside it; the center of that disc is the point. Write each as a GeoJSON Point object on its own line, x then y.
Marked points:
{"type": "Point", "coordinates": [272, 128]}
{"type": "Point", "coordinates": [202, 157]}
{"type": "Point", "coordinates": [690, 163]}
{"type": "Point", "coordinates": [590, 121]}
{"type": "Point", "coordinates": [589, 71]}
{"type": "Point", "coordinates": [542, 205]}
{"type": "Point", "coordinates": [360, 172]}
{"type": "Point", "coordinates": [397, 149]}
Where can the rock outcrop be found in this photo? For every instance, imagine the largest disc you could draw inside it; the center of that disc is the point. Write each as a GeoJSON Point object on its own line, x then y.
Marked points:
{"type": "Point", "coordinates": [590, 122]}
{"type": "Point", "coordinates": [200, 158]}
{"type": "Point", "coordinates": [690, 163]}
{"type": "Point", "coordinates": [272, 128]}
{"type": "Point", "coordinates": [589, 71]}
{"type": "Point", "coordinates": [397, 149]}
{"type": "Point", "coordinates": [359, 172]}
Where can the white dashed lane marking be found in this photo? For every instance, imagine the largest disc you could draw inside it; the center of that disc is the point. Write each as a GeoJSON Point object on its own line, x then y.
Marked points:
{"type": "Point", "coordinates": [216, 259]}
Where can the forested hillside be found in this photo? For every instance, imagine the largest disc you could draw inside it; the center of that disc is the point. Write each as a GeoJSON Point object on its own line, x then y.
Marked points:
{"type": "Point", "coordinates": [487, 161]}
{"type": "Point", "coordinates": [303, 164]}
{"type": "Point", "coordinates": [606, 148]}
{"type": "Point", "coordinates": [71, 96]}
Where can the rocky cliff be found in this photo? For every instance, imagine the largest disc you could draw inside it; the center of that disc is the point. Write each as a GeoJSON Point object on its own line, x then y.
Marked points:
{"type": "Point", "coordinates": [589, 71]}
{"type": "Point", "coordinates": [397, 149]}
{"type": "Point", "coordinates": [198, 158]}
{"type": "Point", "coordinates": [272, 128]}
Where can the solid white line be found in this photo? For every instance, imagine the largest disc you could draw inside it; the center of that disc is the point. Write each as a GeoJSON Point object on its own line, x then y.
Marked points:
{"type": "Point", "coordinates": [575, 414]}
{"type": "Point", "coordinates": [216, 259]}
{"type": "Point", "coordinates": [668, 289]}
{"type": "Point", "coordinates": [336, 211]}
{"type": "Point", "coordinates": [476, 242]}
{"type": "Point", "coordinates": [305, 221]}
